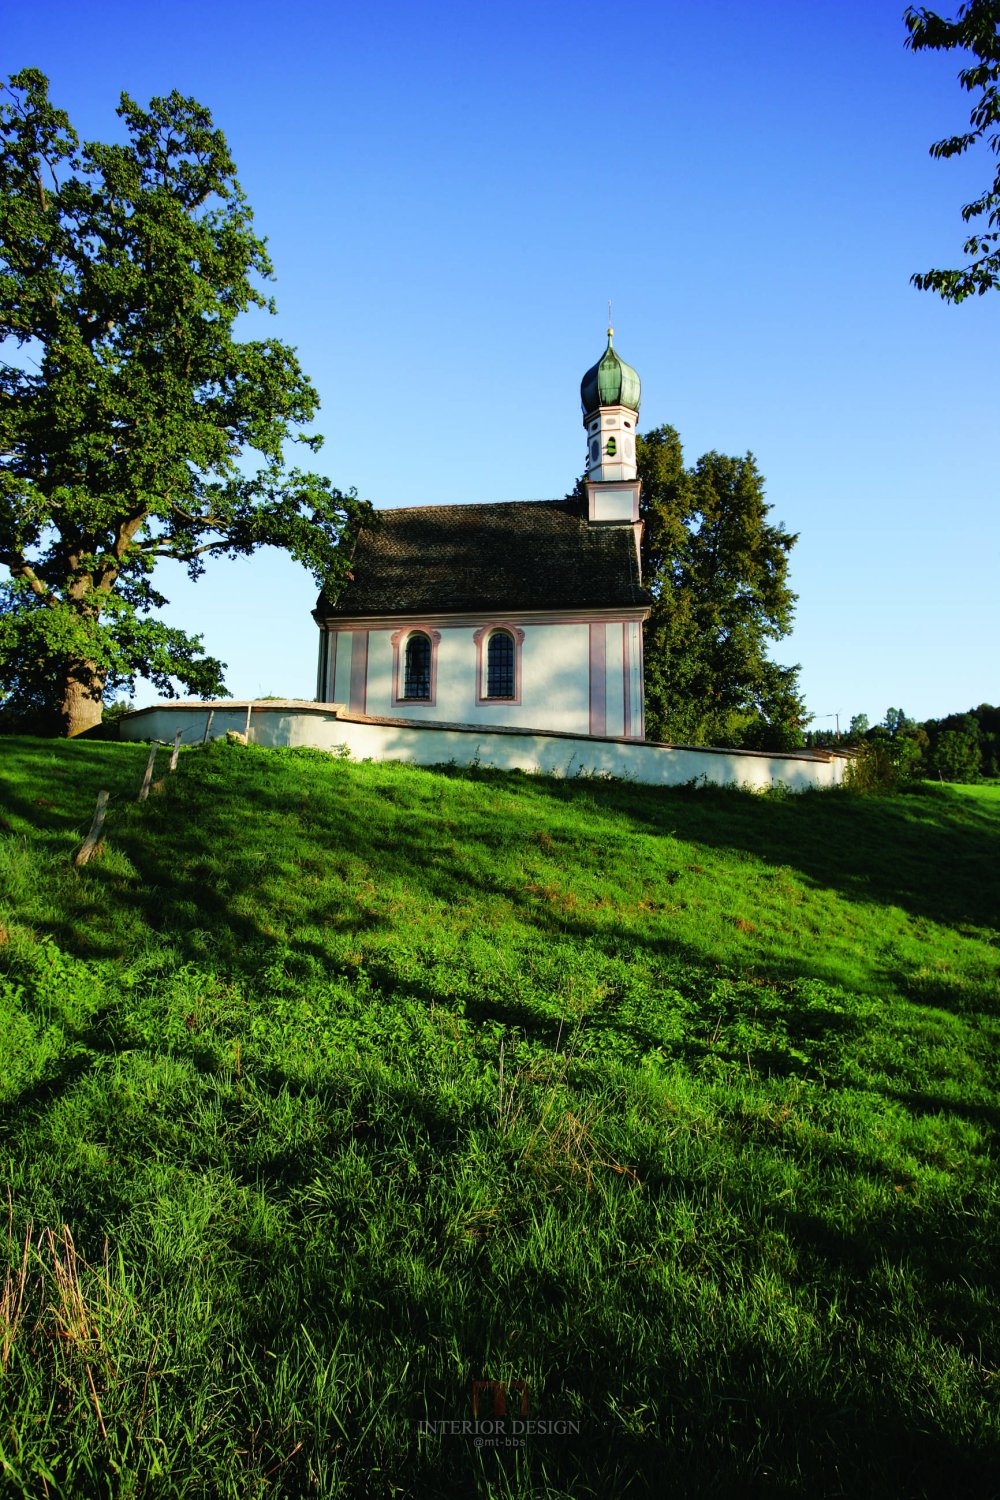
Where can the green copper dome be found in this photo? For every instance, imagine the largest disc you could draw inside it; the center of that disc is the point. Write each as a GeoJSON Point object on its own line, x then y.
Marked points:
{"type": "Point", "coordinates": [611, 382]}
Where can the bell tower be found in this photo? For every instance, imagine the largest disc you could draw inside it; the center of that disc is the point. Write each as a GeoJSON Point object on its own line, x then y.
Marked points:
{"type": "Point", "coordinates": [609, 394]}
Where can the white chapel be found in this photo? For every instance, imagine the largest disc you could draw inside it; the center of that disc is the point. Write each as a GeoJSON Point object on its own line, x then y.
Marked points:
{"type": "Point", "coordinates": [521, 615]}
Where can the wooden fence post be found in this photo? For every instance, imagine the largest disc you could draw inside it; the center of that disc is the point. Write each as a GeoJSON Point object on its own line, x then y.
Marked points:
{"type": "Point", "coordinates": [144, 790]}
{"type": "Point", "coordinates": [208, 726]}
{"type": "Point", "coordinates": [90, 843]}
{"type": "Point", "coordinates": [175, 750]}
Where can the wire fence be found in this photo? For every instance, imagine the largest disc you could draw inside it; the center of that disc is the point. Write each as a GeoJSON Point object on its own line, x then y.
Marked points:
{"type": "Point", "coordinates": [94, 838]}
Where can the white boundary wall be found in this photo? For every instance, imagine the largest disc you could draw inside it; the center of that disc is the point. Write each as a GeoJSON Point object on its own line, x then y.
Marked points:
{"type": "Point", "coordinates": [330, 727]}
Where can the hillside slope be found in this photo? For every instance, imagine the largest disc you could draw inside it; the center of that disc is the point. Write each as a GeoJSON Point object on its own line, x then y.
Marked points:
{"type": "Point", "coordinates": [328, 1090]}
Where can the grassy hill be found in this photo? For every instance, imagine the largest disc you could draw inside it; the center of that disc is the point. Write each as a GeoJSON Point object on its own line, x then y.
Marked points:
{"type": "Point", "coordinates": [328, 1090]}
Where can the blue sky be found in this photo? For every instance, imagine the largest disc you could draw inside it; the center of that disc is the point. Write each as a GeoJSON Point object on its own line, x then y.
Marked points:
{"type": "Point", "coordinates": [452, 193]}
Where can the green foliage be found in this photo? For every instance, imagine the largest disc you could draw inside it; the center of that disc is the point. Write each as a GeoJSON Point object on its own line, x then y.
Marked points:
{"type": "Point", "coordinates": [718, 571]}
{"type": "Point", "coordinates": [976, 30]}
{"type": "Point", "coordinates": [875, 767]}
{"type": "Point", "coordinates": [961, 747]}
{"type": "Point", "coordinates": [134, 425]}
{"type": "Point", "coordinates": [964, 747]}
{"type": "Point", "coordinates": [988, 719]}
{"type": "Point", "coordinates": [897, 724]}
{"type": "Point", "coordinates": [782, 732]}
{"type": "Point", "coordinates": [115, 711]}
{"type": "Point", "coordinates": [312, 1117]}
{"type": "Point", "coordinates": [890, 756]}
{"type": "Point", "coordinates": [956, 755]}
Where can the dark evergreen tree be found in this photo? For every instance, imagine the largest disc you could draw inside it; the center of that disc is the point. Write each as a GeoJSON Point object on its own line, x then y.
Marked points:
{"type": "Point", "coordinates": [717, 567]}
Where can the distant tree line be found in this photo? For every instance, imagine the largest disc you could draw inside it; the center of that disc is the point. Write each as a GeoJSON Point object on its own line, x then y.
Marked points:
{"type": "Point", "coordinates": [959, 747]}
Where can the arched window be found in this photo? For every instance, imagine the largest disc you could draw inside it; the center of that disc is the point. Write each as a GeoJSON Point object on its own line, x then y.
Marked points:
{"type": "Point", "coordinates": [500, 665]}
{"type": "Point", "coordinates": [414, 665]}
{"type": "Point", "coordinates": [417, 667]}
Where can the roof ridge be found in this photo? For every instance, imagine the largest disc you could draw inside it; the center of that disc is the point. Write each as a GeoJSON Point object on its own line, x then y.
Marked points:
{"type": "Point", "coordinates": [467, 505]}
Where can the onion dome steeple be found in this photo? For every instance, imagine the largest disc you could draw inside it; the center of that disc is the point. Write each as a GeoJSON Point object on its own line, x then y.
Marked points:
{"type": "Point", "coordinates": [611, 382]}
{"type": "Point", "coordinates": [609, 393]}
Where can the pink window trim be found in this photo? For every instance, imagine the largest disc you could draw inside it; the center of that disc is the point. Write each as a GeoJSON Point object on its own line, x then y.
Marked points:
{"type": "Point", "coordinates": [642, 682]}
{"type": "Point", "coordinates": [359, 671]}
{"type": "Point", "coordinates": [598, 679]}
{"type": "Point", "coordinates": [632, 659]}
{"type": "Point", "coordinates": [481, 637]}
{"type": "Point", "coordinates": [330, 683]}
{"type": "Point", "coordinates": [399, 638]}
{"type": "Point", "coordinates": [626, 680]}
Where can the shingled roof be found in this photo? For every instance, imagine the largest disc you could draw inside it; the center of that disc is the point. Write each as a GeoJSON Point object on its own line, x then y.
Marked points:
{"type": "Point", "coordinates": [519, 555]}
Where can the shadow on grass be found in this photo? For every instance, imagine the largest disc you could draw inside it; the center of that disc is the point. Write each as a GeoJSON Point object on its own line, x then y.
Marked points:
{"type": "Point", "coordinates": [664, 1393]}
{"type": "Point", "coordinates": [239, 893]}
{"type": "Point", "coordinates": [932, 852]}
{"type": "Point", "coordinates": [669, 1390]}
{"type": "Point", "coordinates": [48, 788]}
{"type": "Point", "coordinates": [664, 1346]}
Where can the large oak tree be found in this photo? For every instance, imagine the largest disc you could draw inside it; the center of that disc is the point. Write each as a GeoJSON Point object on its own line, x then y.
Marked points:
{"type": "Point", "coordinates": [134, 424]}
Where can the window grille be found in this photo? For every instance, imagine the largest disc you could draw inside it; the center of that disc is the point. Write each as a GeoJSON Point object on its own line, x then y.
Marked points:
{"type": "Point", "coordinates": [500, 665]}
{"type": "Point", "coordinates": [417, 669]}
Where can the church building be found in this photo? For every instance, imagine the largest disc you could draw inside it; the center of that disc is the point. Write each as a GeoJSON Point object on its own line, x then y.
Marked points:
{"type": "Point", "coordinates": [526, 614]}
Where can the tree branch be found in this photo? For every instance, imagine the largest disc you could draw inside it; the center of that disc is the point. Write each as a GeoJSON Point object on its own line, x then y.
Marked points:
{"type": "Point", "coordinates": [126, 531]}
{"type": "Point", "coordinates": [189, 552]}
{"type": "Point", "coordinates": [196, 520]}
{"type": "Point", "coordinates": [19, 568]}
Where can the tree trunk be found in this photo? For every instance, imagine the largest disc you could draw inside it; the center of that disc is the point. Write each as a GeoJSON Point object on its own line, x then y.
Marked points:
{"type": "Point", "coordinates": [82, 698]}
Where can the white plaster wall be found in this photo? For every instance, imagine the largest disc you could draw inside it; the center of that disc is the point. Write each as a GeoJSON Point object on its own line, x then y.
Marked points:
{"type": "Point", "coordinates": [340, 664]}
{"type": "Point", "coordinates": [555, 680]}
{"type": "Point", "coordinates": [271, 725]}
{"type": "Point", "coordinates": [378, 691]}
{"type": "Point", "coordinates": [622, 654]}
{"type": "Point", "coordinates": [614, 656]}
{"type": "Point", "coordinates": [654, 765]}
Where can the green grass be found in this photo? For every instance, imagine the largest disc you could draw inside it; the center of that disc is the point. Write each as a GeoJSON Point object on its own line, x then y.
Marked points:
{"type": "Point", "coordinates": [328, 1089]}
